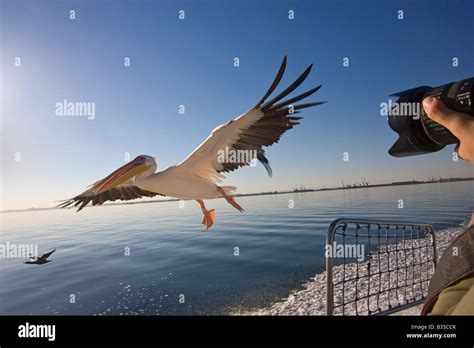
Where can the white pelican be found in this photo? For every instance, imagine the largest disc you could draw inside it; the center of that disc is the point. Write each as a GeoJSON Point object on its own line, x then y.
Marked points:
{"type": "Point", "coordinates": [198, 176]}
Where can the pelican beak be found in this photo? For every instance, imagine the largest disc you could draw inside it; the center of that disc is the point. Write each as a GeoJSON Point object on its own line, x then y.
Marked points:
{"type": "Point", "coordinates": [131, 169]}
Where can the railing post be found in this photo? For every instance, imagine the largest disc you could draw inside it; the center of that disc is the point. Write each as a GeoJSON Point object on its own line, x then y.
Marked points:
{"type": "Point", "coordinates": [329, 266]}
{"type": "Point", "coordinates": [433, 235]}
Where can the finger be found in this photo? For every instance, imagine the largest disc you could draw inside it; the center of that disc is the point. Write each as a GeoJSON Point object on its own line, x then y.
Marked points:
{"type": "Point", "coordinates": [440, 113]}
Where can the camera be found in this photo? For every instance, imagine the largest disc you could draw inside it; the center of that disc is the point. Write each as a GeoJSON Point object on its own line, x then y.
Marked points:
{"type": "Point", "coordinates": [418, 134]}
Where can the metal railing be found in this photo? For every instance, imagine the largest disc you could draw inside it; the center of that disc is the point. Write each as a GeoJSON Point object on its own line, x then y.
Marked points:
{"type": "Point", "coordinates": [398, 261]}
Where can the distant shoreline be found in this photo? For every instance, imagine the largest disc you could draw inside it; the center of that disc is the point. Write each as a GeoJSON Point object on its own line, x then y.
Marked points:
{"type": "Point", "coordinates": [365, 185]}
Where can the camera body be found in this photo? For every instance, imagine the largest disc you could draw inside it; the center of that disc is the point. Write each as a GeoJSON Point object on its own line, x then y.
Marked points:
{"type": "Point", "coordinates": [418, 133]}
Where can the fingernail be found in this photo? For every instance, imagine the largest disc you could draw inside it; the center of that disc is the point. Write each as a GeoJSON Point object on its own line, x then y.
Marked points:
{"type": "Point", "coordinates": [428, 101]}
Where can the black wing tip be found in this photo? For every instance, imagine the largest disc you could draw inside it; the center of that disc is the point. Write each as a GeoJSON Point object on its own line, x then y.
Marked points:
{"type": "Point", "coordinates": [297, 98]}
{"type": "Point", "coordinates": [269, 171]}
{"type": "Point", "coordinates": [275, 83]}
{"type": "Point", "coordinates": [45, 256]}
{"type": "Point", "coordinates": [306, 72]}
{"type": "Point", "coordinates": [288, 89]}
{"type": "Point", "coordinates": [63, 205]}
{"type": "Point", "coordinates": [308, 105]}
{"type": "Point", "coordinates": [268, 168]}
{"type": "Point", "coordinates": [66, 204]}
{"type": "Point", "coordinates": [265, 162]}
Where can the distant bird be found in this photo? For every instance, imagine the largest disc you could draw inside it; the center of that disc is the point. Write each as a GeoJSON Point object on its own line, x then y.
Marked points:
{"type": "Point", "coordinates": [198, 176]}
{"type": "Point", "coordinates": [34, 260]}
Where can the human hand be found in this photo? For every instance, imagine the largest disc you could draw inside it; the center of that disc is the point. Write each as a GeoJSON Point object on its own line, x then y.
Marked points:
{"type": "Point", "coordinates": [461, 125]}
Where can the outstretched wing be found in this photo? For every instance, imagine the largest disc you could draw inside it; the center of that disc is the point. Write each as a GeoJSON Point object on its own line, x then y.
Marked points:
{"type": "Point", "coordinates": [124, 192]}
{"type": "Point", "coordinates": [45, 256]}
{"type": "Point", "coordinates": [244, 137]}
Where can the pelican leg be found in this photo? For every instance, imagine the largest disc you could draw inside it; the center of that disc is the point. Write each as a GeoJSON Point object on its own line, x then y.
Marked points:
{"type": "Point", "coordinates": [231, 200]}
{"type": "Point", "coordinates": [209, 215]}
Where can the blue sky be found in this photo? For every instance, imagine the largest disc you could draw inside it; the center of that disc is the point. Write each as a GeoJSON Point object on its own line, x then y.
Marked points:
{"type": "Point", "coordinates": [190, 62]}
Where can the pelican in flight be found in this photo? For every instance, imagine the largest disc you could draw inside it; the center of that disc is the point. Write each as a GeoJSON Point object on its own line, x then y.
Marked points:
{"type": "Point", "coordinates": [198, 176]}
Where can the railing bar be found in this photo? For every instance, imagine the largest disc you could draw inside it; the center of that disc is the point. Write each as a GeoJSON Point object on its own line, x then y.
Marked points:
{"type": "Point", "coordinates": [343, 273]}
{"type": "Point", "coordinates": [422, 254]}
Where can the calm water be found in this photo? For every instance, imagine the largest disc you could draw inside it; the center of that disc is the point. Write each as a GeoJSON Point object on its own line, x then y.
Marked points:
{"type": "Point", "coordinates": [172, 254]}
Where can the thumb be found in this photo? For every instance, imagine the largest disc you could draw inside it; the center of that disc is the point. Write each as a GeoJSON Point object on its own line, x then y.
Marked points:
{"type": "Point", "coordinates": [440, 113]}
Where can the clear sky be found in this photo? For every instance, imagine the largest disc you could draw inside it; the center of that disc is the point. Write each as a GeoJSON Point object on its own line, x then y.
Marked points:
{"type": "Point", "coordinates": [190, 62]}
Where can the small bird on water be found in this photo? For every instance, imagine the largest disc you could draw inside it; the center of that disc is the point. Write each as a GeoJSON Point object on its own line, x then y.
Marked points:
{"type": "Point", "coordinates": [35, 260]}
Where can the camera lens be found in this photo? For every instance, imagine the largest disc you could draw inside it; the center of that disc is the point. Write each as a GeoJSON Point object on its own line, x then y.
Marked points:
{"type": "Point", "coordinates": [423, 135]}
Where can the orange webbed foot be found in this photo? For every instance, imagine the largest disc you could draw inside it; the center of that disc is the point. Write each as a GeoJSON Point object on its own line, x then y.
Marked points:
{"type": "Point", "coordinates": [208, 219]}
